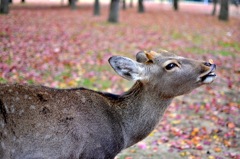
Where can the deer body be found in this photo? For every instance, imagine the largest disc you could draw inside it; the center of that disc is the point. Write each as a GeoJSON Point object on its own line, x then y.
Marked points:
{"type": "Point", "coordinates": [38, 122]}
{"type": "Point", "coordinates": [49, 129]}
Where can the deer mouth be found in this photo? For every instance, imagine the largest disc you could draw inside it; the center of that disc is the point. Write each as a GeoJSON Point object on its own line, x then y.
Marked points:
{"type": "Point", "coordinates": [208, 76]}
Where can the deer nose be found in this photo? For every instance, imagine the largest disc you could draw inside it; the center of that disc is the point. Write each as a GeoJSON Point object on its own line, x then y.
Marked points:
{"type": "Point", "coordinates": [207, 64]}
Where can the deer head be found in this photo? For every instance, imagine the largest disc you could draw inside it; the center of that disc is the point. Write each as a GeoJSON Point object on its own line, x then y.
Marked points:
{"type": "Point", "coordinates": [167, 73]}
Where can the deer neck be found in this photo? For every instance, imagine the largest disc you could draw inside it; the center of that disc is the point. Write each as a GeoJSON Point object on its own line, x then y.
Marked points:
{"type": "Point", "coordinates": [142, 109]}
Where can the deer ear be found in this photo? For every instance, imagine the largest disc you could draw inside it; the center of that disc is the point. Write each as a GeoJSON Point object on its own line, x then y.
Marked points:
{"type": "Point", "coordinates": [125, 67]}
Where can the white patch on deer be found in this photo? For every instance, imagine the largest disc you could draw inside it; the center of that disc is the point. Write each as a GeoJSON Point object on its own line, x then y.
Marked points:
{"type": "Point", "coordinates": [6, 108]}
{"type": "Point", "coordinates": [21, 112]}
{"type": "Point", "coordinates": [180, 57]}
{"type": "Point", "coordinates": [83, 99]}
{"type": "Point", "coordinates": [14, 138]}
{"type": "Point", "coordinates": [209, 79]}
{"type": "Point", "coordinates": [19, 140]}
{"type": "Point", "coordinates": [48, 137]}
{"type": "Point", "coordinates": [25, 96]}
{"type": "Point", "coordinates": [65, 110]}
{"type": "Point", "coordinates": [32, 107]}
{"type": "Point", "coordinates": [12, 108]}
{"type": "Point", "coordinates": [3, 145]}
{"type": "Point", "coordinates": [38, 124]}
{"type": "Point", "coordinates": [13, 150]}
{"type": "Point", "coordinates": [17, 98]}
{"type": "Point", "coordinates": [5, 132]}
{"type": "Point", "coordinates": [2, 124]}
{"type": "Point", "coordinates": [37, 134]}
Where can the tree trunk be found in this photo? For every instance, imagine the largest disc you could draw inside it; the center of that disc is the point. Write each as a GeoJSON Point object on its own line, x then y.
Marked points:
{"type": "Point", "coordinates": [10, 1]}
{"type": "Point", "coordinates": [114, 11]}
{"type": "Point", "coordinates": [131, 4]}
{"type": "Point", "coordinates": [73, 4]}
{"type": "Point", "coordinates": [175, 5]}
{"type": "Point", "coordinates": [23, 1]}
{"type": "Point", "coordinates": [223, 14]}
{"type": "Point", "coordinates": [140, 6]}
{"type": "Point", "coordinates": [235, 2]}
{"type": "Point", "coordinates": [4, 8]}
{"type": "Point", "coordinates": [214, 7]}
{"type": "Point", "coordinates": [124, 5]}
{"type": "Point", "coordinates": [96, 7]}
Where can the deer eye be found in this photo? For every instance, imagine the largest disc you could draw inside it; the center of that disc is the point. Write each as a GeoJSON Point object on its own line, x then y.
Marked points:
{"type": "Point", "coordinates": [170, 66]}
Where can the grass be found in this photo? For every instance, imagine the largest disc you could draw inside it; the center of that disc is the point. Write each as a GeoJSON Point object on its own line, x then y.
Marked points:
{"type": "Point", "coordinates": [196, 50]}
{"type": "Point", "coordinates": [3, 80]}
{"type": "Point", "coordinates": [234, 45]}
{"type": "Point", "coordinates": [225, 53]}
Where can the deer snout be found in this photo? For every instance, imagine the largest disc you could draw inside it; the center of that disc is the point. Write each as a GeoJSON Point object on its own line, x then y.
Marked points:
{"type": "Point", "coordinates": [207, 64]}
{"type": "Point", "coordinates": [212, 66]}
{"type": "Point", "coordinates": [208, 75]}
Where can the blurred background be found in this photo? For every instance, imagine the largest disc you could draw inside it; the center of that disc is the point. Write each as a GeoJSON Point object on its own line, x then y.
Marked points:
{"type": "Point", "coordinates": [67, 43]}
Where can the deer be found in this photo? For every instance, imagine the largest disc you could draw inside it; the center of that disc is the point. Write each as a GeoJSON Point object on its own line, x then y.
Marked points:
{"type": "Point", "coordinates": [39, 122]}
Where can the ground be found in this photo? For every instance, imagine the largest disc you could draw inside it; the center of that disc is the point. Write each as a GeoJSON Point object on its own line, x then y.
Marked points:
{"type": "Point", "coordinates": [54, 46]}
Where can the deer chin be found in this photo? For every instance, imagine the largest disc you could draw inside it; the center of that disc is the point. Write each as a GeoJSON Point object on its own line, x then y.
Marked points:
{"type": "Point", "coordinates": [208, 76]}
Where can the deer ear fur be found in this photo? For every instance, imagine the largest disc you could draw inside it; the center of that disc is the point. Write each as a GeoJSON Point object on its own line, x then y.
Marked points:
{"type": "Point", "coordinates": [126, 68]}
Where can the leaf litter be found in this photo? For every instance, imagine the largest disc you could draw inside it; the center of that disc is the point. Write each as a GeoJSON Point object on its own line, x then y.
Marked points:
{"type": "Point", "coordinates": [60, 48]}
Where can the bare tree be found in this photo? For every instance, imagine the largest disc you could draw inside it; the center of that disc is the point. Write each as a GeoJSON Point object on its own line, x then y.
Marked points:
{"type": "Point", "coordinates": [114, 11]}
{"type": "Point", "coordinates": [131, 4]}
{"type": "Point", "coordinates": [175, 5]}
{"type": "Point", "coordinates": [124, 7]}
{"type": "Point", "coordinates": [224, 7]}
{"type": "Point", "coordinates": [141, 6]}
{"type": "Point", "coordinates": [72, 4]}
{"type": "Point", "coordinates": [4, 6]}
{"type": "Point", "coordinates": [96, 7]}
{"type": "Point", "coordinates": [214, 7]}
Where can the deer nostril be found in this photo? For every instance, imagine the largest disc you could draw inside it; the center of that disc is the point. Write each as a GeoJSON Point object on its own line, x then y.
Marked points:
{"type": "Point", "coordinates": [207, 64]}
